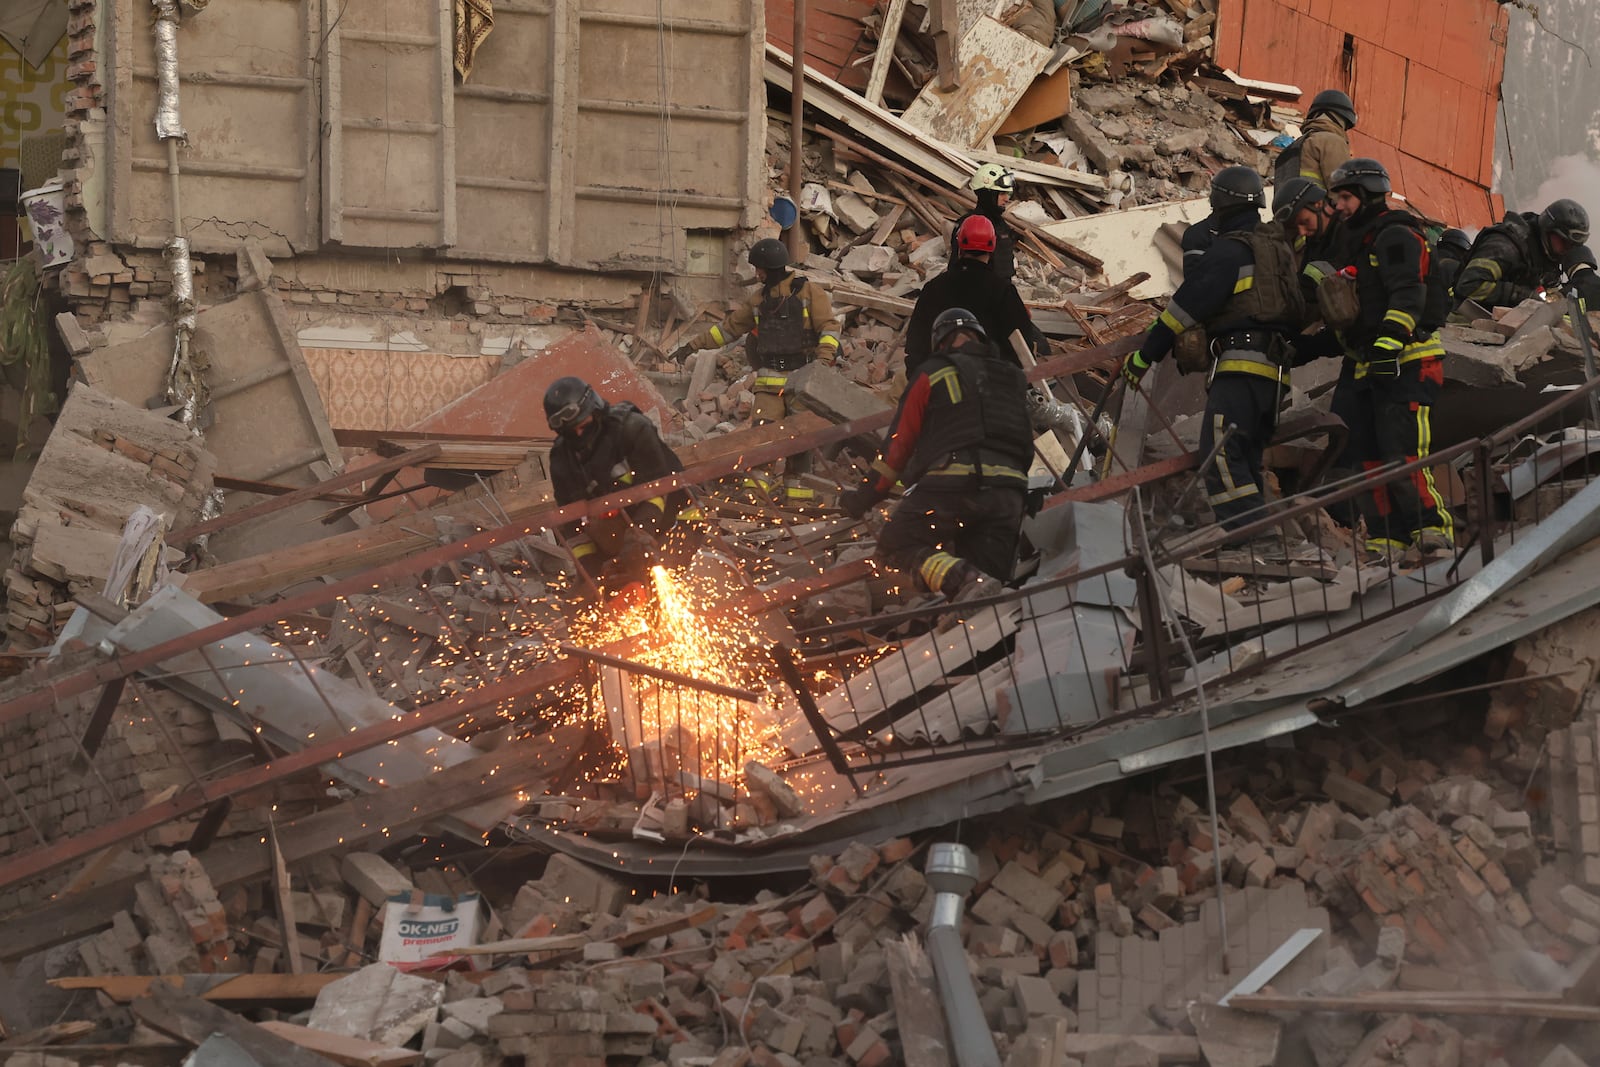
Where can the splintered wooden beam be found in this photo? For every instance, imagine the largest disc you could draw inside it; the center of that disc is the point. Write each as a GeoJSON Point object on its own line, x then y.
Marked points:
{"type": "Point", "coordinates": [240, 990]}
{"type": "Point", "coordinates": [1506, 1004]}
{"type": "Point", "coordinates": [888, 33]}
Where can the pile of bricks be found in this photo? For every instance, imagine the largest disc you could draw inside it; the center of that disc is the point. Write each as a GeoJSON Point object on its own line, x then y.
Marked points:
{"type": "Point", "coordinates": [103, 461]}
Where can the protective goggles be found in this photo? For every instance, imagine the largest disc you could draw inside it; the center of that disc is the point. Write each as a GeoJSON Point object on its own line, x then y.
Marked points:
{"type": "Point", "coordinates": [569, 415]}
{"type": "Point", "coordinates": [1309, 197]}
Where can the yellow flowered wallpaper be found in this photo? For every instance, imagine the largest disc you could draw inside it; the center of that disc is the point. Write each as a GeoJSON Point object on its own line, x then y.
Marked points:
{"type": "Point", "coordinates": [31, 101]}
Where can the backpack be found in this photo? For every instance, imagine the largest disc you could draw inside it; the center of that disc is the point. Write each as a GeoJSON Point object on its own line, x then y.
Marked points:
{"type": "Point", "coordinates": [1437, 303]}
{"type": "Point", "coordinates": [1287, 165]}
{"type": "Point", "coordinates": [1274, 295]}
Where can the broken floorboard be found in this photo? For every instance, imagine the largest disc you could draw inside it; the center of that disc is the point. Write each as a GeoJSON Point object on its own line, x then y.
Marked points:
{"type": "Point", "coordinates": [1507, 1004]}
{"type": "Point", "coordinates": [194, 1020]}
{"type": "Point", "coordinates": [242, 990]}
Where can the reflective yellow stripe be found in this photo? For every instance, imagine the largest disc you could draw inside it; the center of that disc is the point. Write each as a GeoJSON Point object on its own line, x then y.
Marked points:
{"type": "Point", "coordinates": [1389, 344]}
{"type": "Point", "coordinates": [718, 336]}
{"type": "Point", "coordinates": [1172, 323]}
{"type": "Point", "coordinates": [1489, 267]}
{"type": "Point", "coordinates": [1230, 490]}
{"type": "Point", "coordinates": [936, 567]}
{"type": "Point", "coordinates": [1425, 449]}
{"type": "Point", "coordinates": [584, 548]}
{"type": "Point", "coordinates": [1177, 318]}
{"type": "Point", "coordinates": [1314, 175]}
{"type": "Point", "coordinates": [987, 470]}
{"type": "Point", "coordinates": [691, 515]}
{"type": "Point", "coordinates": [795, 492]}
{"type": "Point", "coordinates": [1251, 366]}
{"type": "Point", "coordinates": [772, 382]}
{"type": "Point", "coordinates": [1429, 349]}
{"type": "Point", "coordinates": [950, 378]}
{"type": "Point", "coordinates": [1395, 315]}
{"type": "Point", "coordinates": [1385, 545]}
{"type": "Point", "coordinates": [828, 339]}
{"type": "Point", "coordinates": [1247, 280]}
{"type": "Point", "coordinates": [660, 502]}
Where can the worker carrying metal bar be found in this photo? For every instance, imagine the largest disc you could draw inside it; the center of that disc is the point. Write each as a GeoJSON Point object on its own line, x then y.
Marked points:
{"type": "Point", "coordinates": [790, 322]}
{"type": "Point", "coordinates": [993, 186]}
{"type": "Point", "coordinates": [971, 282]}
{"type": "Point", "coordinates": [1394, 361]}
{"type": "Point", "coordinates": [1515, 258]}
{"type": "Point", "coordinates": [601, 449]}
{"type": "Point", "coordinates": [961, 444]}
{"type": "Point", "coordinates": [1233, 318]}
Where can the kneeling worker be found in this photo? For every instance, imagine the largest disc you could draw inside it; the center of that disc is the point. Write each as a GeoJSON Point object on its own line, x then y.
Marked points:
{"type": "Point", "coordinates": [962, 444]}
{"type": "Point", "coordinates": [601, 449]}
{"type": "Point", "coordinates": [790, 322]}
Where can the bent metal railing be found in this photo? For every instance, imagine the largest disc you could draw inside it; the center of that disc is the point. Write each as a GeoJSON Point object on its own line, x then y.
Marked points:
{"type": "Point", "coordinates": [1088, 648]}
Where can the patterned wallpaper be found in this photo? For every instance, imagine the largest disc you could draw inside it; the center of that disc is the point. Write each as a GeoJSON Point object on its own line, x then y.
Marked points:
{"type": "Point", "coordinates": [31, 101]}
{"type": "Point", "coordinates": [380, 390]}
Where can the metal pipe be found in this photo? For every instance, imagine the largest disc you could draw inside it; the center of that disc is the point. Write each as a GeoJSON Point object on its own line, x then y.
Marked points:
{"type": "Point", "coordinates": [952, 871]}
{"type": "Point", "coordinates": [797, 96]}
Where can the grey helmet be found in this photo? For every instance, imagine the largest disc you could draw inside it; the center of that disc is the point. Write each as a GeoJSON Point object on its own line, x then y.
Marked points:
{"type": "Point", "coordinates": [1334, 102]}
{"type": "Point", "coordinates": [952, 319]}
{"type": "Point", "coordinates": [1367, 175]}
{"type": "Point", "coordinates": [769, 253]}
{"type": "Point", "coordinates": [1565, 219]}
{"type": "Point", "coordinates": [568, 402]}
{"type": "Point", "coordinates": [1236, 187]}
{"type": "Point", "coordinates": [1291, 196]}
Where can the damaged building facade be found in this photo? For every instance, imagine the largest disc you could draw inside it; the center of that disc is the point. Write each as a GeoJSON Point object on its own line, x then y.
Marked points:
{"type": "Point", "coordinates": [313, 750]}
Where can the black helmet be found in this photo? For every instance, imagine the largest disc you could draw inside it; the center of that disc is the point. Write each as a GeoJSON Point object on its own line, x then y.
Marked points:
{"type": "Point", "coordinates": [953, 319]}
{"type": "Point", "coordinates": [1294, 194]}
{"type": "Point", "coordinates": [1336, 103]}
{"type": "Point", "coordinates": [1565, 219]}
{"type": "Point", "coordinates": [1367, 175]}
{"type": "Point", "coordinates": [1235, 187]}
{"type": "Point", "coordinates": [769, 254]}
{"type": "Point", "coordinates": [568, 402]}
{"type": "Point", "coordinates": [1456, 240]}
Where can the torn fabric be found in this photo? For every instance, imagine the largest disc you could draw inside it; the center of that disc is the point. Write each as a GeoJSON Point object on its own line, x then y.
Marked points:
{"type": "Point", "coordinates": [474, 20]}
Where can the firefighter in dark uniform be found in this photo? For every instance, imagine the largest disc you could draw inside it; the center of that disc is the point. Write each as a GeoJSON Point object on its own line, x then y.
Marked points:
{"type": "Point", "coordinates": [962, 445]}
{"type": "Point", "coordinates": [1450, 254]}
{"type": "Point", "coordinates": [970, 282]}
{"type": "Point", "coordinates": [790, 322]}
{"type": "Point", "coordinates": [601, 449]}
{"type": "Point", "coordinates": [1245, 293]}
{"type": "Point", "coordinates": [993, 185]}
{"type": "Point", "coordinates": [1513, 259]}
{"type": "Point", "coordinates": [1394, 360]}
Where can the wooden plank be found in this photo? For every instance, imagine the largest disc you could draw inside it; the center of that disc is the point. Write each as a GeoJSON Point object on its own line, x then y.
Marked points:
{"type": "Point", "coordinates": [888, 33]}
{"type": "Point", "coordinates": [639, 935]}
{"type": "Point", "coordinates": [415, 457]}
{"type": "Point", "coordinates": [193, 1020]}
{"type": "Point", "coordinates": [1549, 1006]}
{"type": "Point", "coordinates": [253, 990]}
{"type": "Point", "coordinates": [916, 1006]}
{"type": "Point", "coordinates": [54, 1034]}
{"type": "Point", "coordinates": [285, 901]}
{"type": "Point", "coordinates": [372, 439]}
{"type": "Point", "coordinates": [351, 825]}
{"type": "Point", "coordinates": [1047, 99]}
{"type": "Point", "coordinates": [997, 64]}
{"type": "Point", "coordinates": [350, 1051]}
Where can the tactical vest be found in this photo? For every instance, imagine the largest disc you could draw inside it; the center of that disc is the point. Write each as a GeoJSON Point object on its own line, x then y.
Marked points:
{"type": "Point", "coordinates": [1288, 163]}
{"type": "Point", "coordinates": [1272, 296]}
{"type": "Point", "coordinates": [976, 429]}
{"type": "Point", "coordinates": [783, 338]}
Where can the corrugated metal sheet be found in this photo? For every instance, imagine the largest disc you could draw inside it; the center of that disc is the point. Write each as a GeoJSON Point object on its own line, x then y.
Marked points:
{"type": "Point", "coordinates": [1425, 76]}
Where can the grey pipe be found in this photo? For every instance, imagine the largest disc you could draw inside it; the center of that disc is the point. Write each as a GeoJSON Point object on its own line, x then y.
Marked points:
{"type": "Point", "coordinates": [952, 872]}
{"type": "Point", "coordinates": [169, 124]}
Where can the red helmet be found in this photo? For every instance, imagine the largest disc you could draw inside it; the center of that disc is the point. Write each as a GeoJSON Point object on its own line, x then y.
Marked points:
{"type": "Point", "coordinates": [975, 235]}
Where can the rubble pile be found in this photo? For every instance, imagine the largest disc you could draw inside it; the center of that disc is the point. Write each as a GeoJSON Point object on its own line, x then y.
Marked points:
{"type": "Point", "coordinates": [103, 461]}
{"type": "Point", "coordinates": [1094, 934]}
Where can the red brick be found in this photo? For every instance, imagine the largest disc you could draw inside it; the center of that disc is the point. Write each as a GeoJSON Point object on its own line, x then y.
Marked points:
{"type": "Point", "coordinates": [817, 915]}
{"type": "Point", "coordinates": [896, 850]}
{"type": "Point", "coordinates": [1494, 876]}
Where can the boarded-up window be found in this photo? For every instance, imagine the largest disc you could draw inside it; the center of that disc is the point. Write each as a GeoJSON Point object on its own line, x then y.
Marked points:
{"type": "Point", "coordinates": [591, 133]}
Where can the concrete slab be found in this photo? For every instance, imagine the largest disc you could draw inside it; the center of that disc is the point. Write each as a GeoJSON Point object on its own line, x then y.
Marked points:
{"type": "Point", "coordinates": [378, 1003]}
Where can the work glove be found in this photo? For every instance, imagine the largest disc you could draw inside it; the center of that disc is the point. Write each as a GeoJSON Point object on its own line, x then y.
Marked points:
{"type": "Point", "coordinates": [682, 352]}
{"type": "Point", "coordinates": [1134, 368]}
{"type": "Point", "coordinates": [858, 501]}
{"type": "Point", "coordinates": [633, 560]}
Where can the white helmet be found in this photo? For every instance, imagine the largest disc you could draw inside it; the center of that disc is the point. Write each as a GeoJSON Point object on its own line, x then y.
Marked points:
{"type": "Point", "coordinates": [993, 176]}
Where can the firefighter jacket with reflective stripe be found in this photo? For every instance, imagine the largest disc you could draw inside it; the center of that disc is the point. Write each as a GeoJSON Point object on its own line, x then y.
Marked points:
{"type": "Point", "coordinates": [962, 422]}
{"type": "Point", "coordinates": [969, 283]}
{"type": "Point", "coordinates": [620, 449]}
{"type": "Point", "coordinates": [1508, 263]}
{"type": "Point", "coordinates": [790, 322]}
{"type": "Point", "coordinates": [1390, 254]}
{"type": "Point", "coordinates": [1322, 148]}
{"type": "Point", "coordinates": [1218, 292]}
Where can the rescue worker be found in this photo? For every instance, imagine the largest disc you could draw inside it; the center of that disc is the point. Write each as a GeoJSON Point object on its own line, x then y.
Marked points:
{"type": "Point", "coordinates": [1324, 141]}
{"type": "Point", "coordinates": [961, 444]}
{"type": "Point", "coordinates": [1450, 254]}
{"type": "Point", "coordinates": [1301, 207]}
{"type": "Point", "coordinates": [1245, 294]}
{"type": "Point", "coordinates": [601, 449]}
{"type": "Point", "coordinates": [790, 322]}
{"type": "Point", "coordinates": [1395, 365]}
{"type": "Point", "coordinates": [1513, 259]}
{"type": "Point", "coordinates": [970, 282]}
{"type": "Point", "coordinates": [993, 185]}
